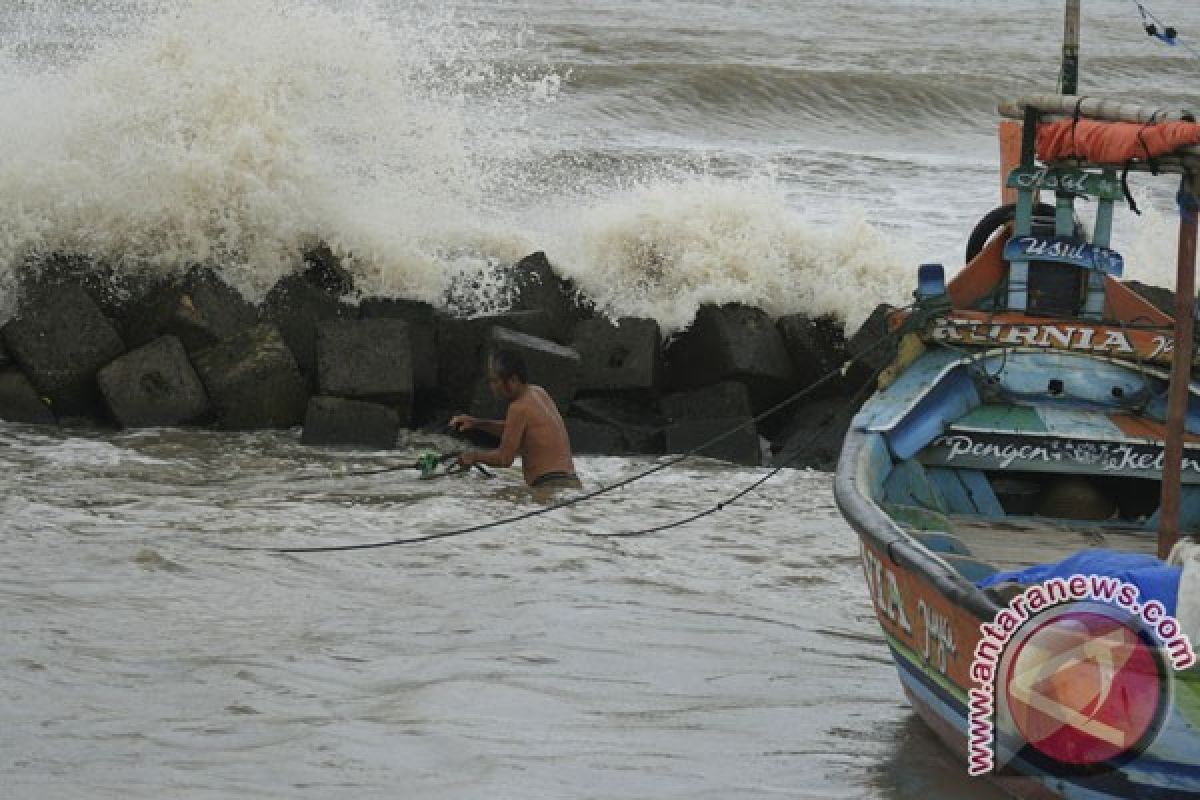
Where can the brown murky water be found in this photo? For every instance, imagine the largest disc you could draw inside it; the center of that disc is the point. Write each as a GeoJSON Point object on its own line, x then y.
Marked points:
{"type": "Point", "coordinates": [734, 657]}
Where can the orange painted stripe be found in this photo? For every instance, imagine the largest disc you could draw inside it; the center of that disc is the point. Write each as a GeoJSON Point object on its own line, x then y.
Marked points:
{"type": "Point", "coordinates": [1010, 157]}
{"type": "Point", "coordinates": [1142, 428]}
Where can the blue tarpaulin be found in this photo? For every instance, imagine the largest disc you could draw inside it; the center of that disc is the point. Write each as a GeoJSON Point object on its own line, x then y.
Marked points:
{"type": "Point", "coordinates": [1153, 578]}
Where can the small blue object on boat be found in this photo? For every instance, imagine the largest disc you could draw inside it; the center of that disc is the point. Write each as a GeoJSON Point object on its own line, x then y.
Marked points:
{"type": "Point", "coordinates": [1063, 250]}
{"type": "Point", "coordinates": [931, 281]}
{"type": "Point", "coordinates": [1154, 579]}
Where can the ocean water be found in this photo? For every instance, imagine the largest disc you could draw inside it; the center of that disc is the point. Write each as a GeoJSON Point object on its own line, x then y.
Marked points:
{"type": "Point", "coordinates": [794, 155]}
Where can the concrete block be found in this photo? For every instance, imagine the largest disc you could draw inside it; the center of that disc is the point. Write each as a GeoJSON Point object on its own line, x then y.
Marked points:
{"type": "Point", "coordinates": [639, 426]}
{"type": "Point", "coordinates": [817, 346]}
{"type": "Point", "coordinates": [1157, 296]}
{"type": "Point", "coordinates": [553, 367]}
{"type": "Point", "coordinates": [594, 438]}
{"type": "Point", "coordinates": [733, 342]}
{"type": "Point", "coordinates": [626, 356]}
{"type": "Point", "coordinates": [295, 306]}
{"type": "Point", "coordinates": [61, 340]}
{"type": "Point", "coordinates": [538, 287]}
{"type": "Point", "coordinates": [463, 345]}
{"type": "Point", "coordinates": [253, 381]}
{"type": "Point", "coordinates": [111, 288]}
{"type": "Point", "coordinates": [866, 347]}
{"type": "Point", "coordinates": [20, 402]}
{"type": "Point", "coordinates": [338, 421]}
{"type": "Point", "coordinates": [728, 399]}
{"type": "Point", "coordinates": [742, 447]}
{"type": "Point", "coordinates": [324, 270]}
{"type": "Point", "coordinates": [813, 434]}
{"type": "Point", "coordinates": [199, 309]}
{"type": "Point", "coordinates": [153, 385]}
{"type": "Point", "coordinates": [422, 333]}
{"type": "Point", "coordinates": [366, 359]}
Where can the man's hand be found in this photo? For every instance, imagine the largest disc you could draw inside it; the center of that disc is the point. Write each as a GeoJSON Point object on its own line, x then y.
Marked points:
{"type": "Point", "coordinates": [469, 458]}
{"type": "Point", "coordinates": [463, 422]}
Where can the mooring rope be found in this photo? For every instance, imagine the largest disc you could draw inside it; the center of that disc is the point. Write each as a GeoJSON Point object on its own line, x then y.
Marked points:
{"type": "Point", "coordinates": [849, 409]}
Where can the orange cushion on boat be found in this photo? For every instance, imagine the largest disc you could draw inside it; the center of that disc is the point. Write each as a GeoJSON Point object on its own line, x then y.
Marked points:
{"type": "Point", "coordinates": [1113, 142]}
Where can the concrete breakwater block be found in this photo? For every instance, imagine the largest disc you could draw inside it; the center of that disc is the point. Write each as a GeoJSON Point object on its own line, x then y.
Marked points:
{"type": "Point", "coordinates": [60, 340]}
{"type": "Point", "coordinates": [817, 346]}
{"type": "Point", "coordinates": [741, 447]}
{"type": "Point", "coordinates": [725, 400]}
{"type": "Point", "coordinates": [338, 421]}
{"type": "Point", "coordinates": [323, 269]}
{"type": "Point", "coordinates": [20, 402]}
{"type": "Point", "coordinates": [626, 356]}
{"type": "Point", "coordinates": [1160, 298]}
{"type": "Point", "coordinates": [872, 346]}
{"type": "Point", "coordinates": [813, 435]}
{"type": "Point", "coordinates": [199, 309]}
{"type": "Point", "coordinates": [295, 306]}
{"type": "Point", "coordinates": [153, 385]}
{"type": "Point", "coordinates": [538, 287]}
{"type": "Point", "coordinates": [463, 348]}
{"type": "Point", "coordinates": [422, 333]}
{"type": "Point", "coordinates": [594, 438]}
{"type": "Point", "coordinates": [111, 288]}
{"type": "Point", "coordinates": [366, 359]}
{"type": "Point", "coordinates": [253, 381]}
{"type": "Point", "coordinates": [634, 425]}
{"type": "Point", "coordinates": [733, 342]}
{"type": "Point", "coordinates": [553, 367]}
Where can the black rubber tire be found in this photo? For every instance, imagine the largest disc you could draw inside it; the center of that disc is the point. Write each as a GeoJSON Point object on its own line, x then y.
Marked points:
{"type": "Point", "coordinates": [996, 219]}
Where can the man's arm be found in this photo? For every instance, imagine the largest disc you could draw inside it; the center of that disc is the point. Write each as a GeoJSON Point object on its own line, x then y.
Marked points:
{"type": "Point", "coordinates": [465, 422]}
{"type": "Point", "coordinates": [513, 429]}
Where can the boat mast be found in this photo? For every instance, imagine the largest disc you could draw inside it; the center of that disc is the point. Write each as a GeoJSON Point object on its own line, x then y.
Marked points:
{"type": "Point", "coordinates": [1068, 81]}
{"type": "Point", "coordinates": [1181, 366]}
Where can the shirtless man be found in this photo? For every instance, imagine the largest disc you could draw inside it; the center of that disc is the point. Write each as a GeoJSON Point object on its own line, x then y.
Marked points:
{"type": "Point", "coordinates": [532, 429]}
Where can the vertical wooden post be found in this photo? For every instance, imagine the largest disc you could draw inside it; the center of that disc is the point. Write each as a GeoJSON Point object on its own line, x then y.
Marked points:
{"type": "Point", "coordinates": [1181, 368]}
{"type": "Point", "coordinates": [1068, 81]}
{"type": "Point", "coordinates": [1010, 157]}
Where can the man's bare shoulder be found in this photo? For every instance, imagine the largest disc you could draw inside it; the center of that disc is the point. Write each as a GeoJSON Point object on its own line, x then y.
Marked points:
{"type": "Point", "coordinates": [532, 398]}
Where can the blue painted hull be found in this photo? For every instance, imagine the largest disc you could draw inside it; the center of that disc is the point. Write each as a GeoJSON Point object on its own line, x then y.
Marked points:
{"type": "Point", "coordinates": [880, 465]}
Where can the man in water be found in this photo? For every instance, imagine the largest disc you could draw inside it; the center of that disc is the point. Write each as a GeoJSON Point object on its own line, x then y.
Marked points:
{"type": "Point", "coordinates": [532, 429]}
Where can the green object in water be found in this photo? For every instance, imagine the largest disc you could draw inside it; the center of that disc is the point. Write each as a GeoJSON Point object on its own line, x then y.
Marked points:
{"type": "Point", "coordinates": [428, 463]}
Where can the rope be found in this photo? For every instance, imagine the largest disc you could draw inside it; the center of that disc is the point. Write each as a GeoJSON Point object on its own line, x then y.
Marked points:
{"type": "Point", "coordinates": [829, 418]}
{"type": "Point", "coordinates": [838, 372]}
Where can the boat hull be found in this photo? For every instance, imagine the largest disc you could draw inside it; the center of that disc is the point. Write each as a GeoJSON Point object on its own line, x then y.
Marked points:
{"type": "Point", "coordinates": [931, 616]}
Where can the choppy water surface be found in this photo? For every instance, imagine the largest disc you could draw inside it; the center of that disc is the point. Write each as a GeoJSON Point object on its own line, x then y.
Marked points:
{"type": "Point", "coordinates": [731, 658]}
{"type": "Point", "coordinates": [796, 155]}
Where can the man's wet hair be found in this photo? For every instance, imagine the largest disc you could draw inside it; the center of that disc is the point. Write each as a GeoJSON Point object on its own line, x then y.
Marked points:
{"type": "Point", "coordinates": [507, 364]}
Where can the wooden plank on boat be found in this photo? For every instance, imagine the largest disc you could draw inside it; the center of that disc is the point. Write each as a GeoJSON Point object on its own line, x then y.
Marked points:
{"type": "Point", "coordinates": [886, 406]}
{"type": "Point", "coordinates": [1054, 453]}
{"type": "Point", "coordinates": [965, 491]}
{"type": "Point", "coordinates": [983, 328]}
{"type": "Point", "coordinates": [1074, 422]}
{"type": "Point", "coordinates": [1017, 419]}
{"type": "Point", "coordinates": [1075, 181]}
{"type": "Point", "coordinates": [1061, 250]}
{"type": "Point", "coordinates": [1017, 543]}
{"type": "Point", "coordinates": [1089, 108]}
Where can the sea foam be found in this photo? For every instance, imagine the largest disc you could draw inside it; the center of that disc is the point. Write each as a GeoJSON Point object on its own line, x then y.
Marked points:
{"type": "Point", "coordinates": [236, 133]}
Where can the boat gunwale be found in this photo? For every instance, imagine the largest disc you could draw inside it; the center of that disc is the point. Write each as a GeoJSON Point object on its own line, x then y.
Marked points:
{"type": "Point", "coordinates": [872, 522]}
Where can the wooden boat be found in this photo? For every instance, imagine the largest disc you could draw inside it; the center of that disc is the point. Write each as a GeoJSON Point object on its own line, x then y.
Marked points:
{"type": "Point", "coordinates": [1039, 425]}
